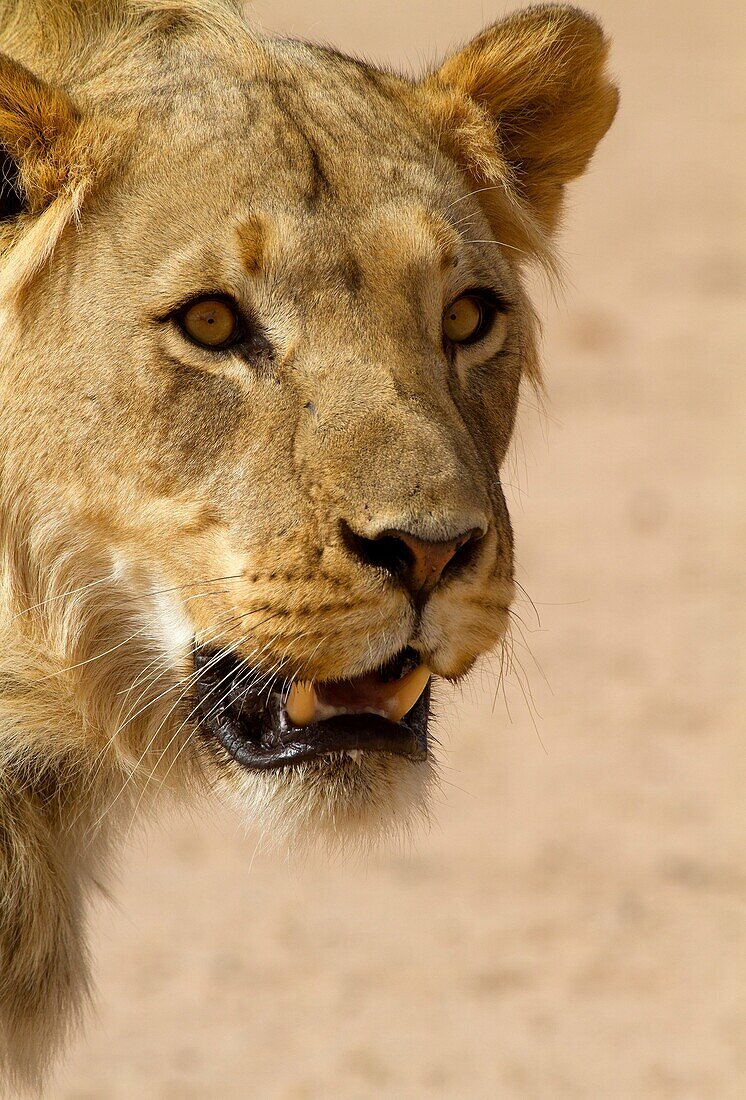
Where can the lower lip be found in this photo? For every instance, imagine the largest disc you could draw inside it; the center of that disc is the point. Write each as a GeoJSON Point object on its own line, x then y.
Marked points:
{"type": "Point", "coordinates": [263, 741]}
{"type": "Point", "coordinates": [365, 733]}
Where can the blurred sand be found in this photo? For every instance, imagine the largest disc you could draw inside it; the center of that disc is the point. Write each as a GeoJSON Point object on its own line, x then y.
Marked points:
{"type": "Point", "coordinates": [575, 926]}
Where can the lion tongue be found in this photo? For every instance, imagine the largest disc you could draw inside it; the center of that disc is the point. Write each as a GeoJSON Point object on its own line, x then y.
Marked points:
{"type": "Point", "coordinates": [307, 703]}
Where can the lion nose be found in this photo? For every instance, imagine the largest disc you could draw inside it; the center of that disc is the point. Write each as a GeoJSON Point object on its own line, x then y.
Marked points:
{"type": "Point", "coordinates": [417, 563]}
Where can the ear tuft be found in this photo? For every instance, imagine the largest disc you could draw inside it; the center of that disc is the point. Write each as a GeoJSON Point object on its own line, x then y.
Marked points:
{"type": "Point", "coordinates": [37, 123]}
{"type": "Point", "coordinates": [51, 154]}
{"type": "Point", "coordinates": [539, 80]}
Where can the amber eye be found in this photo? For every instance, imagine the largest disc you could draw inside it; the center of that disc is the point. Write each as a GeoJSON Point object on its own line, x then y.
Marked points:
{"type": "Point", "coordinates": [212, 322]}
{"type": "Point", "coordinates": [466, 319]}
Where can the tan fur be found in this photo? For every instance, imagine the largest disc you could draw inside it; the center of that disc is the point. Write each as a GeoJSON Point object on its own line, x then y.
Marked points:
{"type": "Point", "coordinates": [152, 493]}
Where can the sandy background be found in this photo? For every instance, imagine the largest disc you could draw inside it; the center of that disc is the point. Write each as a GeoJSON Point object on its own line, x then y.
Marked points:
{"type": "Point", "coordinates": [575, 926]}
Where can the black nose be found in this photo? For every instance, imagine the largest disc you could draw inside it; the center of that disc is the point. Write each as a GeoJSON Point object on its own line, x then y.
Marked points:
{"type": "Point", "coordinates": [418, 564]}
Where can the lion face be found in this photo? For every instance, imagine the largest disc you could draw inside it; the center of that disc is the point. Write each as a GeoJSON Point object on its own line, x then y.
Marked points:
{"type": "Point", "coordinates": [271, 376]}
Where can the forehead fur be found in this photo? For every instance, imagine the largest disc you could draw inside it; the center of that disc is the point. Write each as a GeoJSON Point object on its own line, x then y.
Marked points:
{"type": "Point", "coordinates": [195, 71]}
{"type": "Point", "coordinates": [190, 85]}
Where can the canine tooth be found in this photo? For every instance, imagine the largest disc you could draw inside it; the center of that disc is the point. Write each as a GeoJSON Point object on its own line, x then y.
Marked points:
{"type": "Point", "coordinates": [408, 691]}
{"type": "Point", "coordinates": [301, 704]}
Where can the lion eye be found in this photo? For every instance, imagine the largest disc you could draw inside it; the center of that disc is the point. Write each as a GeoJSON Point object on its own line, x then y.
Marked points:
{"type": "Point", "coordinates": [211, 322]}
{"type": "Point", "coordinates": [466, 319]}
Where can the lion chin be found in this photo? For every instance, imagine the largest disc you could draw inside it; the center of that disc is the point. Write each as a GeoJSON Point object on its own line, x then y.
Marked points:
{"type": "Point", "coordinates": [340, 803]}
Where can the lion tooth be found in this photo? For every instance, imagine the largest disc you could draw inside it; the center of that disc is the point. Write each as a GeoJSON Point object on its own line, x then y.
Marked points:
{"type": "Point", "coordinates": [407, 692]}
{"type": "Point", "coordinates": [301, 704]}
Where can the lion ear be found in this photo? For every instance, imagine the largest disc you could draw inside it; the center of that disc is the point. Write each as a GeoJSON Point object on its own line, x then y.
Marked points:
{"type": "Point", "coordinates": [540, 78]}
{"type": "Point", "coordinates": [38, 128]}
{"type": "Point", "coordinates": [50, 154]}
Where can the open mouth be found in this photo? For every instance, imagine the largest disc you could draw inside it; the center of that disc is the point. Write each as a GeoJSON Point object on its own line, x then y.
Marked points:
{"type": "Point", "coordinates": [270, 724]}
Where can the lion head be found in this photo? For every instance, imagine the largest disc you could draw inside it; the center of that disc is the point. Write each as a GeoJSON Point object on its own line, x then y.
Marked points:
{"type": "Point", "coordinates": [264, 331]}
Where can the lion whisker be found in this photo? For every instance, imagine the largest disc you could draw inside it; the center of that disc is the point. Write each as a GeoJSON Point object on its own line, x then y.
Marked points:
{"type": "Point", "coordinates": [162, 659]}
{"type": "Point", "coordinates": [476, 191]}
{"type": "Point", "coordinates": [135, 768]}
{"type": "Point", "coordinates": [183, 724]}
{"type": "Point", "coordinates": [502, 244]}
{"type": "Point", "coordinates": [525, 593]}
{"type": "Point", "coordinates": [125, 597]}
{"type": "Point", "coordinates": [184, 682]}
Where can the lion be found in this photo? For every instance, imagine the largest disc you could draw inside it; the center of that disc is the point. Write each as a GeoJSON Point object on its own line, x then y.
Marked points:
{"type": "Point", "coordinates": [264, 324]}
